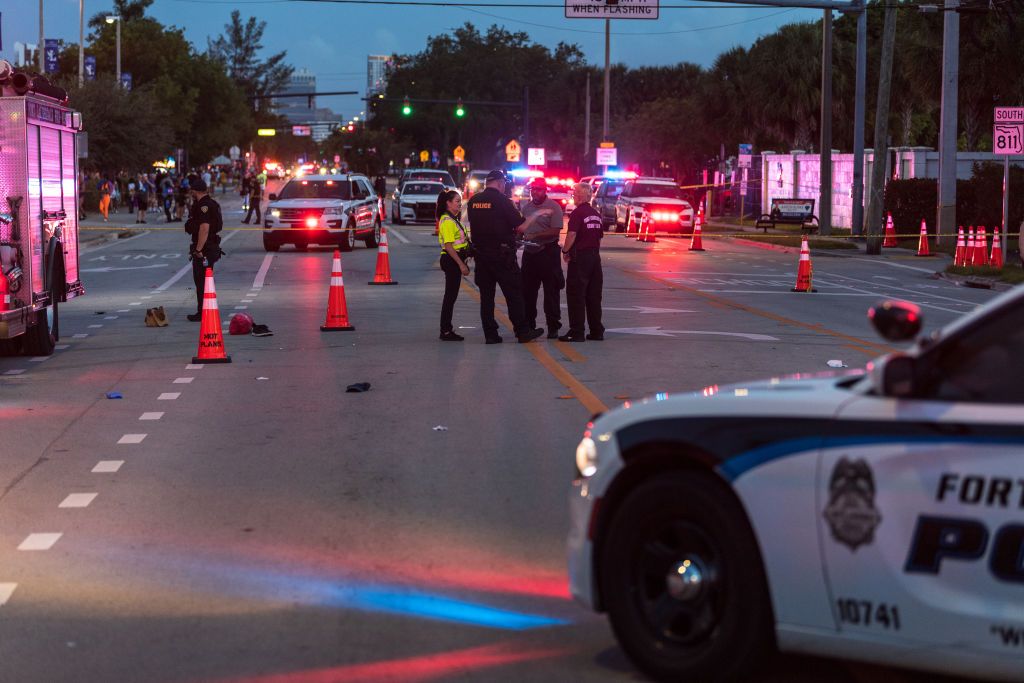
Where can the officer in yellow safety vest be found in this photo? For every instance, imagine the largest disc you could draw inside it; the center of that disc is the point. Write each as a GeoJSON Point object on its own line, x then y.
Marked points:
{"type": "Point", "coordinates": [454, 253]}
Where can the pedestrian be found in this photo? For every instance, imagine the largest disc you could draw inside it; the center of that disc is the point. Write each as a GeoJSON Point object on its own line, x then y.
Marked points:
{"type": "Point", "coordinates": [166, 195]}
{"type": "Point", "coordinates": [207, 177]}
{"type": "Point", "coordinates": [584, 281]}
{"type": "Point", "coordinates": [243, 189]}
{"type": "Point", "coordinates": [180, 199]}
{"type": "Point", "coordinates": [141, 198]}
{"type": "Point", "coordinates": [380, 186]}
{"type": "Point", "coordinates": [203, 226]}
{"type": "Point", "coordinates": [541, 263]}
{"type": "Point", "coordinates": [255, 198]}
{"type": "Point", "coordinates": [454, 253]}
{"type": "Point", "coordinates": [494, 223]}
{"type": "Point", "coordinates": [106, 188]}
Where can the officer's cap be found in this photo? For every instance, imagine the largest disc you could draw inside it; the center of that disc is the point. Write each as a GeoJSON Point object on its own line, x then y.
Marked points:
{"type": "Point", "coordinates": [198, 185]}
{"type": "Point", "coordinates": [496, 174]}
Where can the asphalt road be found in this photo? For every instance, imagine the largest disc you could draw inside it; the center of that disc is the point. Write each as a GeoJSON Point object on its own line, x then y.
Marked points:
{"type": "Point", "coordinates": [253, 521]}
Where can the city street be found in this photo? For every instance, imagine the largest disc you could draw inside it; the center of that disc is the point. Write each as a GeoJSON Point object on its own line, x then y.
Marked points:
{"type": "Point", "coordinates": [254, 521]}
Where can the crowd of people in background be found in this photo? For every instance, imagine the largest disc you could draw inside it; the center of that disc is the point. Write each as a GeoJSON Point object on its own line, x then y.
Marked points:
{"type": "Point", "coordinates": [150, 194]}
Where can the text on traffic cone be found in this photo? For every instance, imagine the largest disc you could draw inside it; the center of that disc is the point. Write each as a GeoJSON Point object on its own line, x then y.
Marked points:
{"type": "Point", "coordinates": [383, 274]}
{"type": "Point", "coordinates": [337, 309]}
{"type": "Point", "coordinates": [646, 227]}
{"type": "Point", "coordinates": [211, 338]}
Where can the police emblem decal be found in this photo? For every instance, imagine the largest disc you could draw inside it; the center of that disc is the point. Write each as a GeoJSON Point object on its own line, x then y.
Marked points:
{"type": "Point", "coordinates": [851, 513]}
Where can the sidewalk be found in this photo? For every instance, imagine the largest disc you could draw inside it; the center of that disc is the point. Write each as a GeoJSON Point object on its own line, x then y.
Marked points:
{"type": "Point", "coordinates": [121, 224]}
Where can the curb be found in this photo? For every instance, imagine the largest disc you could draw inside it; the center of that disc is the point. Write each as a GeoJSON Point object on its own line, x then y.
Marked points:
{"type": "Point", "coordinates": [975, 281]}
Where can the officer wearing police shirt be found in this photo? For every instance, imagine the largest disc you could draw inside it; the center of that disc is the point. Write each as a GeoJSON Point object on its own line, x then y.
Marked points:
{"type": "Point", "coordinates": [204, 225]}
{"type": "Point", "coordinates": [584, 280]}
{"type": "Point", "coordinates": [541, 265]}
{"type": "Point", "coordinates": [494, 222]}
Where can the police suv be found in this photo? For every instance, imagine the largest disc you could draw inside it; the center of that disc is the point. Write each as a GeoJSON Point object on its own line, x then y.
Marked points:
{"type": "Point", "coordinates": [325, 209]}
{"type": "Point", "coordinates": [874, 515]}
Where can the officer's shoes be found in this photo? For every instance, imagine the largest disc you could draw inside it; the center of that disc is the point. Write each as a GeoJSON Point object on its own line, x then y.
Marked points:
{"type": "Point", "coordinates": [595, 337]}
{"type": "Point", "coordinates": [571, 338]}
{"type": "Point", "coordinates": [451, 335]}
{"type": "Point", "coordinates": [493, 340]}
{"type": "Point", "coordinates": [195, 317]}
{"type": "Point", "coordinates": [527, 337]}
{"type": "Point", "coordinates": [552, 333]}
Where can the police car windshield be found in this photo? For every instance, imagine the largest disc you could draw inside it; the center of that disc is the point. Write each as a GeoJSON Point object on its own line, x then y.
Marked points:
{"type": "Point", "coordinates": [437, 176]}
{"type": "Point", "coordinates": [423, 188]}
{"type": "Point", "coordinates": [315, 189]}
{"type": "Point", "coordinates": [652, 190]}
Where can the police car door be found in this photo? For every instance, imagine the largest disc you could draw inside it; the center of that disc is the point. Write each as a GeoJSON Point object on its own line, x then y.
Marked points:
{"type": "Point", "coordinates": [922, 504]}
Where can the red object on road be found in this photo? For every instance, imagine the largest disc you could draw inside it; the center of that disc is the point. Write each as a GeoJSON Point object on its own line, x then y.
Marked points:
{"type": "Point", "coordinates": [890, 232]}
{"type": "Point", "coordinates": [804, 269]}
{"type": "Point", "coordinates": [211, 339]}
{"type": "Point", "coordinates": [696, 244]}
{"type": "Point", "coordinates": [997, 250]}
{"type": "Point", "coordinates": [337, 309]}
{"type": "Point", "coordinates": [922, 243]}
{"type": "Point", "coordinates": [960, 255]}
{"type": "Point", "coordinates": [383, 274]}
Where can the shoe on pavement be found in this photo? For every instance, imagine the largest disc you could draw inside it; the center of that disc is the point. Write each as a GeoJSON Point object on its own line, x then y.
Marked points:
{"type": "Point", "coordinates": [261, 331]}
{"type": "Point", "coordinates": [195, 317]}
{"type": "Point", "coordinates": [527, 337]}
{"type": "Point", "coordinates": [571, 338]}
{"type": "Point", "coordinates": [595, 337]}
{"type": "Point", "coordinates": [451, 335]}
{"type": "Point", "coordinates": [552, 333]}
{"type": "Point", "coordinates": [493, 340]}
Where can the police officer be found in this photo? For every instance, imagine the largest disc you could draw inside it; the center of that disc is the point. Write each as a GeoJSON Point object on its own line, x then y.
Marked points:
{"type": "Point", "coordinates": [494, 222]}
{"type": "Point", "coordinates": [541, 265]}
{"type": "Point", "coordinates": [203, 225]}
{"type": "Point", "coordinates": [584, 280]}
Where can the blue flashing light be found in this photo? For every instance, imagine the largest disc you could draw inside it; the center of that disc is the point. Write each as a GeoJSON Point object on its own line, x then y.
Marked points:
{"type": "Point", "coordinates": [620, 174]}
{"type": "Point", "coordinates": [526, 173]}
{"type": "Point", "coordinates": [441, 608]}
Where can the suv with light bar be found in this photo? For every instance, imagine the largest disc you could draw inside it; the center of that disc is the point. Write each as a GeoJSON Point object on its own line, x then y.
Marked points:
{"type": "Point", "coordinates": [330, 210]}
{"type": "Point", "coordinates": [559, 190]}
{"type": "Point", "coordinates": [663, 201]}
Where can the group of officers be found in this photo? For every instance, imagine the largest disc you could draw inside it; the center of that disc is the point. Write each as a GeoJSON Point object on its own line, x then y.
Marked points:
{"type": "Point", "coordinates": [497, 229]}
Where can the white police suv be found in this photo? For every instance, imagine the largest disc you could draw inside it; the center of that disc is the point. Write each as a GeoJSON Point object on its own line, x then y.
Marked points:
{"type": "Point", "coordinates": [874, 515]}
{"type": "Point", "coordinates": [333, 210]}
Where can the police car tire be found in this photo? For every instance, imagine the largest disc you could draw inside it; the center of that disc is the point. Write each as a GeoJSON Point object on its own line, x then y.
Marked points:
{"type": "Point", "coordinates": [740, 633]}
{"type": "Point", "coordinates": [270, 245]}
{"type": "Point", "coordinates": [39, 338]}
{"type": "Point", "coordinates": [373, 240]}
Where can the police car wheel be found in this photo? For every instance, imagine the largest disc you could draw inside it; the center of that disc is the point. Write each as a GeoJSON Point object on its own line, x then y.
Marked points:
{"type": "Point", "coordinates": [683, 582]}
{"type": "Point", "coordinates": [270, 245]}
{"type": "Point", "coordinates": [373, 240]}
{"type": "Point", "coordinates": [350, 237]}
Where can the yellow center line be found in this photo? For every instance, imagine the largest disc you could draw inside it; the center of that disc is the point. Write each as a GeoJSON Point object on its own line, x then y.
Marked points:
{"type": "Point", "coordinates": [585, 396]}
{"type": "Point", "coordinates": [570, 353]}
{"type": "Point", "coordinates": [870, 349]}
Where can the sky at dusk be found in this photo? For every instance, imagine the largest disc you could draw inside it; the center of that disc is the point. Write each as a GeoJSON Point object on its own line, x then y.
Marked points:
{"type": "Point", "coordinates": [333, 40]}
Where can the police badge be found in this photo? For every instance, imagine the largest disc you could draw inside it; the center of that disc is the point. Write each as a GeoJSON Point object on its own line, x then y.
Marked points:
{"type": "Point", "coordinates": [851, 512]}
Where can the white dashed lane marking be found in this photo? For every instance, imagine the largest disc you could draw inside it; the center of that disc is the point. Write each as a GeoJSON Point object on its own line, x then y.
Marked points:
{"type": "Point", "coordinates": [151, 416]}
{"type": "Point", "coordinates": [61, 347]}
{"type": "Point", "coordinates": [107, 466]}
{"type": "Point", "coordinates": [81, 335]}
{"type": "Point", "coordinates": [246, 301]}
{"type": "Point", "coordinates": [131, 438]}
{"type": "Point", "coordinates": [78, 500]}
{"type": "Point", "coordinates": [6, 591]}
{"type": "Point", "coordinates": [169, 396]}
{"type": "Point", "coordinates": [40, 541]}
{"type": "Point", "coordinates": [183, 380]}
{"type": "Point", "coordinates": [95, 327]}
{"type": "Point", "coordinates": [194, 366]}
{"type": "Point", "coordinates": [14, 372]}
{"type": "Point", "coordinates": [110, 317]}
{"type": "Point", "coordinates": [241, 308]}
{"type": "Point", "coordinates": [39, 359]}
{"type": "Point", "coordinates": [135, 303]}
{"type": "Point", "coordinates": [123, 310]}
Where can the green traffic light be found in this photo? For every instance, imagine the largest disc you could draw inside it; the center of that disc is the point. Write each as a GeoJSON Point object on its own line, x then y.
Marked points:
{"type": "Point", "coordinates": [406, 110]}
{"type": "Point", "coordinates": [460, 111]}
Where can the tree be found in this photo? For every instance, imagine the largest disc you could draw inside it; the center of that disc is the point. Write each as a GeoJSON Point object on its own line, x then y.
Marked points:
{"type": "Point", "coordinates": [238, 50]}
{"type": "Point", "coordinates": [128, 10]}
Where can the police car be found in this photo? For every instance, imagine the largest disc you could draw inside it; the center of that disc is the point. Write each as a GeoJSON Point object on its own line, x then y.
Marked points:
{"type": "Point", "coordinates": [874, 515]}
{"type": "Point", "coordinates": [323, 209]}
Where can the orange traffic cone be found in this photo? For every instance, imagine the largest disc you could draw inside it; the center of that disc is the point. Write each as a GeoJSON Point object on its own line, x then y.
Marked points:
{"type": "Point", "coordinates": [960, 255]}
{"type": "Point", "coordinates": [922, 244]}
{"type": "Point", "coordinates": [981, 247]}
{"type": "Point", "coordinates": [804, 269]}
{"type": "Point", "coordinates": [337, 309]}
{"type": "Point", "coordinates": [696, 244]}
{"type": "Point", "coordinates": [997, 250]}
{"type": "Point", "coordinates": [5, 293]}
{"type": "Point", "coordinates": [969, 250]}
{"type": "Point", "coordinates": [211, 339]}
{"type": "Point", "coordinates": [646, 233]}
{"type": "Point", "coordinates": [890, 232]}
{"type": "Point", "coordinates": [383, 274]}
{"type": "Point", "coordinates": [380, 209]}
{"type": "Point", "coordinates": [631, 224]}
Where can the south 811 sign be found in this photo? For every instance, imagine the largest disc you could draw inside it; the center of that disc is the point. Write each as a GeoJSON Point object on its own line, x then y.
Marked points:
{"type": "Point", "coordinates": [611, 9]}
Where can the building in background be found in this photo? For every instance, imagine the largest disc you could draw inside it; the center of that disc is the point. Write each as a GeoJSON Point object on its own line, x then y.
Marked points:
{"type": "Point", "coordinates": [302, 111]}
{"type": "Point", "coordinates": [26, 55]}
{"type": "Point", "coordinates": [376, 75]}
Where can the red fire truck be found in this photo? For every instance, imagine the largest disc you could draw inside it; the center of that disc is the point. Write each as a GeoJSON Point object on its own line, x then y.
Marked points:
{"type": "Point", "coordinates": [38, 211]}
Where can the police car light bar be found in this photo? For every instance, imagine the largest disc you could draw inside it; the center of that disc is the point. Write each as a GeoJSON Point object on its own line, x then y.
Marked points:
{"type": "Point", "coordinates": [629, 175]}
{"type": "Point", "coordinates": [526, 173]}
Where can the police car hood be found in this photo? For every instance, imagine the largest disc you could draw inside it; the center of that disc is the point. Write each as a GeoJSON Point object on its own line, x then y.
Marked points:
{"type": "Point", "coordinates": [663, 201]}
{"type": "Point", "coordinates": [808, 395]}
{"type": "Point", "coordinates": [315, 203]}
{"type": "Point", "coordinates": [416, 197]}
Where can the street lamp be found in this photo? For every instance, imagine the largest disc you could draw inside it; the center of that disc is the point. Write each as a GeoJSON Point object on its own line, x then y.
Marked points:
{"type": "Point", "coordinates": [110, 19]}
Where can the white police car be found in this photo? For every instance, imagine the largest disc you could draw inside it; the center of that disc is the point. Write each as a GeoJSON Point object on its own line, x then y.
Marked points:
{"type": "Point", "coordinates": [873, 515]}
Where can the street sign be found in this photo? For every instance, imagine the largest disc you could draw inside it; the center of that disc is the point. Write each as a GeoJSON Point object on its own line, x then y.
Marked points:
{"type": "Point", "coordinates": [607, 145]}
{"type": "Point", "coordinates": [746, 148]}
{"type": "Point", "coordinates": [302, 131]}
{"type": "Point", "coordinates": [513, 150]}
{"type": "Point", "coordinates": [535, 156]}
{"type": "Point", "coordinates": [266, 132]}
{"type": "Point", "coordinates": [607, 156]}
{"type": "Point", "coordinates": [424, 156]}
{"type": "Point", "coordinates": [234, 153]}
{"type": "Point", "coordinates": [1008, 131]}
{"type": "Point", "coordinates": [743, 160]}
{"type": "Point", "coordinates": [610, 9]}
{"type": "Point", "coordinates": [459, 154]}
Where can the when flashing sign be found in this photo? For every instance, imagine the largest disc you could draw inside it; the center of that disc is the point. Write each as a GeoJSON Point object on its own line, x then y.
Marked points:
{"type": "Point", "coordinates": [611, 9]}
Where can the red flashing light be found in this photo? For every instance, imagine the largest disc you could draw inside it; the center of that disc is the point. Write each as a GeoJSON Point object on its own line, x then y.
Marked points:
{"type": "Point", "coordinates": [311, 222]}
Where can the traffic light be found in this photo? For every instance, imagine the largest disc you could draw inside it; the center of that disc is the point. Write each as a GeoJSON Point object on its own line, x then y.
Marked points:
{"type": "Point", "coordinates": [460, 111]}
{"type": "Point", "coordinates": [406, 107]}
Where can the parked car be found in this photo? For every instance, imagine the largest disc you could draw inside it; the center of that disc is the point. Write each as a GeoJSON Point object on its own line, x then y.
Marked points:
{"type": "Point", "coordinates": [323, 209]}
{"type": "Point", "coordinates": [604, 200]}
{"type": "Point", "coordinates": [432, 174]}
{"type": "Point", "coordinates": [415, 200]}
{"type": "Point", "coordinates": [474, 183]}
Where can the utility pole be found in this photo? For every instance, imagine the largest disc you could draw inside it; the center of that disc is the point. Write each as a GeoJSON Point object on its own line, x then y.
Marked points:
{"type": "Point", "coordinates": [825, 158]}
{"type": "Point", "coordinates": [586, 131]}
{"type": "Point", "coordinates": [40, 51]}
{"type": "Point", "coordinates": [81, 43]}
{"type": "Point", "coordinates": [605, 127]}
{"type": "Point", "coordinates": [859, 95]}
{"type": "Point", "coordinates": [945, 213]}
{"type": "Point", "coordinates": [874, 234]}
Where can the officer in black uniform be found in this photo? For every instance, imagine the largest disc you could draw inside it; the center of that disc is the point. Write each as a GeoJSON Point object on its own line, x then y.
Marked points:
{"type": "Point", "coordinates": [584, 279]}
{"type": "Point", "coordinates": [494, 222]}
{"type": "Point", "coordinates": [203, 226]}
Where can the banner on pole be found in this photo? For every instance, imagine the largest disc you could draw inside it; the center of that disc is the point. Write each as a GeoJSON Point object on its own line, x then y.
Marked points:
{"type": "Point", "coordinates": [52, 47]}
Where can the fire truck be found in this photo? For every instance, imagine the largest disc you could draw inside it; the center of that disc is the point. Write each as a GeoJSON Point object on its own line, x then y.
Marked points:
{"type": "Point", "coordinates": [38, 211]}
